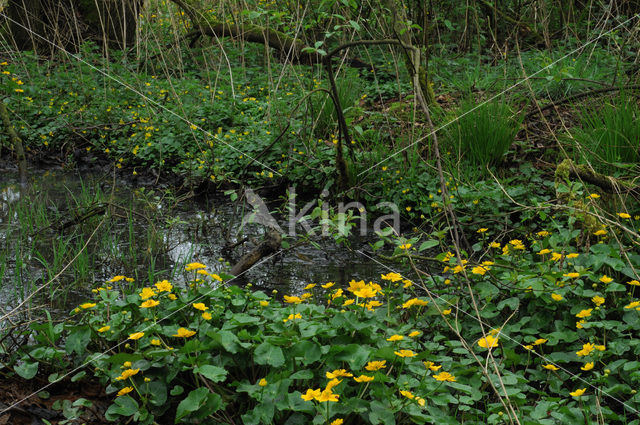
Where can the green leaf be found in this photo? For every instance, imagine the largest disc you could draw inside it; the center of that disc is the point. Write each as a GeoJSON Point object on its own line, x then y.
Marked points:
{"type": "Point", "coordinates": [122, 406]}
{"type": "Point", "coordinates": [381, 414]}
{"type": "Point", "coordinates": [27, 370]}
{"type": "Point", "coordinates": [428, 244]}
{"type": "Point", "coordinates": [78, 340]}
{"type": "Point", "coordinates": [194, 401]}
{"type": "Point", "coordinates": [211, 372]}
{"type": "Point", "coordinates": [267, 354]}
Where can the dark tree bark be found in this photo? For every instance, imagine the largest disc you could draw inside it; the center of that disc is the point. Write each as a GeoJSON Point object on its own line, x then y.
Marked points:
{"type": "Point", "coordinates": [36, 24]}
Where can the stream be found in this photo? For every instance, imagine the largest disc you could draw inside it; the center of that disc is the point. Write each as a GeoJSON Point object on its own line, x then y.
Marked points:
{"type": "Point", "coordinates": [183, 231]}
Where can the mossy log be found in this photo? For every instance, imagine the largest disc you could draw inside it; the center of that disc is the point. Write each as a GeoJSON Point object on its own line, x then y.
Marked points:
{"type": "Point", "coordinates": [568, 170]}
{"type": "Point", "coordinates": [270, 244]}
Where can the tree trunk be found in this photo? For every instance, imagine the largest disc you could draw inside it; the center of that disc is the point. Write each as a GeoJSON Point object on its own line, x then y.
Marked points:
{"type": "Point", "coordinates": [38, 25]}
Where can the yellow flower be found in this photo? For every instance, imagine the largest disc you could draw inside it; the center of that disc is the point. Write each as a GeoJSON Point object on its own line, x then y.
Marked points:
{"type": "Point", "coordinates": [147, 293]}
{"type": "Point", "coordinates": [539, 341]}
{"type": "Point", "coordinates": [624, 215]}
{"type": "Point", "coordinates": [292, 317]}
{"type": "Point", "coordinates": [444, 376]}
{"type": "Point", "coordinates": [393, 338]}
{"type": "Point", "coordinates": [206, 315]}
{"type": "Point", "coordinates": [104, 328]}
{"type": "Point", "coordinates": [309, 286]}
{"type": "Point", "coordinates": [327, 395]}
{"type": "Point", "coordinates": [414, 301]}
{"type": "Point", "coordinates": [606, 279]}
{"type": "Point", "coordinates": [405, 353]}
{"type": "Point", "coordinates": [634, 283]}
{"type": "Point", "coordinates": [264, 303]}
{"type": "Point", "coordinates": [479, 270]}
{"type": "Point", "coordinates": [338, 421]}
{"type": "Point", "coordinates": [363, 378]}
{"type": "Point", "coordinates": [598, 300]}
{"type": "Point", "coordinates": [446, 312]}
{"type": "Point", "coordinates": [366, 292]}
{"type": "Point", "coordinates": [164, 286]}
{"type": "Point", "coordinates": [376, 365]}
{"type": "Point", "coordinates": [600, 347]}
{"type": "Point", "coordinates": [338, 373]}
{"type": "Point", "coordinates": [87, 305]}
{"type": "Point", "coordinates": [432, 366]}
{"type": "Point", "coordinates": [584, 313]}
{"type": "Point", "coordinates": [542, 234]}
{"type": "Point", "coordinates": [127, 373]}
{"type": "Point", "coordinates": [578, 393]}
{"type": "Point", "coordinates": [328, 285]}
{"type": "Point", "coordinates": [136, 335]}
{"type": "Point", "coordinates": [406, 283]}
{"type": "Point", "coordinates": [528, 347]}
{"type": "Point", "coordinates": [634, 304]}
{"type": "Point", "coordinates": [393, 277]}
{"type": "Point", "coordinates": [194, 266]}
{"type": "Point", "coordinates": [421, 401]}
{"type": "Point", "coordinates": [414, 334]}
{"type": "Point", "coordinates": [555, 256]}
{"type": "Point", "coordinates": [580, 323]}
{"type": "Point", "coordinates": [544, 251]}
{"type": "Point", "coordinates": [587, 366]}
{"type": "Point", "coordinates": [348, 302]}
{"type": "Point", "coordinates": [572, 275]}
{"type": "Point", "coordinates": [600, 232]}
{"type": "Point", "coordinates": [172, 297]}
{"type": "Point", "coordinates": [407, 394]}
{"type": "Point", "coordinates": [200, 306]}
{"type": "Point", "coordinates": [593, 196]}
{"type": "Point", "coordinates": [125, 390]}
{"type": "Point", "coordinates": [149, 304]}
{"type": "Point", "coordinates": [494, 245]}
{"type": "Point", "coordinates": [556, 297]}
{"type": "Point", "coordinates": [292, 300]}
{"type": "Point", "coordinates": [573, 255]}
{"type": "Point", "coordinates": [586, 349]}
{"type": "Point", "coordinates": [488, 342]}
{"type": "Point", "coordinates": [155, 341]}
{"type": "Point", "coordinates": [263, 382]}
{"type": "Point", "coordinates": [550, 367]}
{"type": "Point", "coordinates": [405, 246]}
{"type": "Point", "coordinates": [482, 230]}
{"type": "Point", "coordinates": [311, 394]}
{"type": "Point", "coordinates": [184, 333]}
{"type": "Point", "coordinates": [126, 365]}
{"type": "Point", "coordinates": [371, 304]}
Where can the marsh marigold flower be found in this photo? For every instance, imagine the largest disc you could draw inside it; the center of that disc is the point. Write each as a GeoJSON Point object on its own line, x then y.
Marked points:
{"type": "Point", "coordinates": [414, 334]}
{"type": "Point", "coordinates": [405, 353]}
{"type": "Point", "coordinates": [125, 390]}
{"type": "Point", "coordinates": [489, 341]}
{"type": "Point", "coordinates": [556, 297]}
{"type": "Point", "coordinates": [136, 335]}
{"type": "Point", "coordinates": [578, 393]}
{"type": "Point", "coordinates": [194, 266]}
{"type": "Point", "coordinates": [606, 279]}
{"type": "Point", "coordinates": [407, 394]}
{"type": "Point", "coordinates": [587, 366]}
{"type": "Point", "coordinates": [206, 315]}
{"type": "Point", "coordinates": [87, 305]}
{"type": "Point", "coordinates": [200, 306]}
{"type": "Point", "coordinates": [393, 277]}
{"type": "Point", "coordinates": [164, 286]}
{"type": "Point", "coordinates": [363, 378]}
{"type": "Point", "coordinates": [338, 421]}
{"type": "Point", "coordinates": [104, 328]}
{"type": "Point", "coordinates": [376, 365]}
{"type": "Point", "coordinates": [338, 373]}
{"type": "Point", "coordinates": [584, 313]}
{"type": "Point", "coordinates": [623, 215]}
{"type": "Point", "coordinates": [127, 373]}
{"type": "Point", "coordinates": [598, 300]}
{"type": "Point", "coordinates": [634, 283]}
{"type": "Point", "coordinates": [292, 300]}
{"type": "Point", "coordinates": [393, 338]}
{"type": "Point", "coordinates": [444, 376]}
{"type": "Point", "coordinates": [311, 394]}
{"type": "Point", "coordinates": [600, 232]}
{"type": "Point", "coordinates": [263, 382]}
{"type": "Point", "coordinates": [550, 367]}
{"type": "Point", "coordinates": [184, 333]}
{"type": "Point", "coordinates": [586, 349]}
{"type": "Point", "coordinates": [414, 301]}
{"type": "Point", "coordinates": [149, 304]}
{"type": "Point", "coordinates": [147, 293]}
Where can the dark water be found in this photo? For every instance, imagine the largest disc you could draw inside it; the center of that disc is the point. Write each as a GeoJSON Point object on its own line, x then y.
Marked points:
{"type": "Point", "coordinates": [184, 231]}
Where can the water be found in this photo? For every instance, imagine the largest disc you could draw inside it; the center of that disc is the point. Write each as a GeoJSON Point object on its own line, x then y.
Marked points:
{"type": "Point", "coordinates": [163, 234]}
